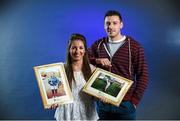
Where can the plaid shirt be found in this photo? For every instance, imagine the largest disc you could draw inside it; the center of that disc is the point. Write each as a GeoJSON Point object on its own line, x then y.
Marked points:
{"type": "Point", "coordinates": [128, 61]}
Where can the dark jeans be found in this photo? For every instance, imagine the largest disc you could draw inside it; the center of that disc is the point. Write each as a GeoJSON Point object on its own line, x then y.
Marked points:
{"type": "Point", "coordinates": [126, 111]}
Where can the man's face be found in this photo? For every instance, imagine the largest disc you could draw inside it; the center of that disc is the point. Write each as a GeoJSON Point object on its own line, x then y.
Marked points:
{"type": "Point", "coordinates": [112, 26]}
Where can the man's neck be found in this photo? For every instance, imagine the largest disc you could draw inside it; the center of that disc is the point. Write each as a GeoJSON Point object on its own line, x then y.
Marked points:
{"type": "Point", "coordinates": [117, 38]}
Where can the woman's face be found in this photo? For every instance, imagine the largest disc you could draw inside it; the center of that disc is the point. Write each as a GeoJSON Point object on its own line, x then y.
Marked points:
{"type": "Point", "coordinates": [77, 50]}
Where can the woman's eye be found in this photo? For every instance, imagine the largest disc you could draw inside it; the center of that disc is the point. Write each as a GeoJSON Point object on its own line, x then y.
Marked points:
{"type": "Point", "coordinates": [73, 47]}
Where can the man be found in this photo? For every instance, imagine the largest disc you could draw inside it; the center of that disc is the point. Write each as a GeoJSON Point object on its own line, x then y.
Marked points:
{"type": "Point", "coordinates": [124, 56]}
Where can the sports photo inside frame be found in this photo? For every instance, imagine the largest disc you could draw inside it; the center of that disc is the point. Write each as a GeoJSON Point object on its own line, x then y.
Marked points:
{"type": "Point", "coordinates": [53, 84]}
{"type": "Point", "coordinates": [108, 85]}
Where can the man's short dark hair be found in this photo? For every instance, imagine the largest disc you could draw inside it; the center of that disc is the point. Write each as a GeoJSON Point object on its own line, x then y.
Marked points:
{"type": "Point", "coordinates": [113, 13]}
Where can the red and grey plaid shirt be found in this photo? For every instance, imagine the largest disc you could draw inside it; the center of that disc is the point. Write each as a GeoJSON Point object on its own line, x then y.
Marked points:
{"type": "Point", "coordinates": [128, 61]}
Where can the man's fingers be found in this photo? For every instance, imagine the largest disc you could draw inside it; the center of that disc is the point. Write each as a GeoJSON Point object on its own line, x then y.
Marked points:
{"type": "Point", "coordinates": [106, 62]}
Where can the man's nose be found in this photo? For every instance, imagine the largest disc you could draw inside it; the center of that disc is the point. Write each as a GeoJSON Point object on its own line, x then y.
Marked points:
{"type": "Point", "coordinates": [110, 25]}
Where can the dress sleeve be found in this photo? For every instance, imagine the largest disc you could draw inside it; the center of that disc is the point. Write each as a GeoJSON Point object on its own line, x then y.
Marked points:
{"type": "Point", "coordinates": [93, 68]}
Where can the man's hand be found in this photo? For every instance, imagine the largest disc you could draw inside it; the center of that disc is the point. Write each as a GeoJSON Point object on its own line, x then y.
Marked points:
{"type": "Point", "coordinates": [104, 62]}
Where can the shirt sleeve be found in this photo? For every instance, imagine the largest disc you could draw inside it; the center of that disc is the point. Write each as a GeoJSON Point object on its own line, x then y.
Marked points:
{"type": "Point", "coordinates": [92, 54]}
{"type": "Point", "coordinates": [141, 74]}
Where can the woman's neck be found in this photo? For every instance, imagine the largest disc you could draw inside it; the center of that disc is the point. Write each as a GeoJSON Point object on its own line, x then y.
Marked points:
{"type": "Point", "coordinates": [77, 65]}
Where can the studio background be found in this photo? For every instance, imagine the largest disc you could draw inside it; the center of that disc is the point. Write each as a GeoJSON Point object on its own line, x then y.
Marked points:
{"type": "Point", "coordinates": [36, 32]}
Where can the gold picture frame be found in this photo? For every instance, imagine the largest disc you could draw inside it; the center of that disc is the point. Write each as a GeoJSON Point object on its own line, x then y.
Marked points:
{"type": "Point", "coordinates": [53, 84]}
{"type": "Point", "coordinates": [104, 84]}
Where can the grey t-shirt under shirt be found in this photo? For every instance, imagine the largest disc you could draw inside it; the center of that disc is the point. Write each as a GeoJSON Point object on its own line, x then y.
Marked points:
{"type": "Point", "coordinates": [113, 46]}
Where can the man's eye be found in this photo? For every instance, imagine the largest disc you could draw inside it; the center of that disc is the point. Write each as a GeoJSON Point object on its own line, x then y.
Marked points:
{"type": "Point", "coordinates": [81, 48]}
{"type": "Point", "coordinates": [115, 23]}
{"type": "Point", "coordinates": [107, 23]}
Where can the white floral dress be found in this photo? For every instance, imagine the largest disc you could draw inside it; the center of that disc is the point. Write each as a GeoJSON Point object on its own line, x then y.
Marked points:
{"type": "Point", "coordinates": [82, 108]}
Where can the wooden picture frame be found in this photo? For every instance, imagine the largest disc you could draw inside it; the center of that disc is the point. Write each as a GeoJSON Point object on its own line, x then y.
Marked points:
{"type": "Point", "coordinates": [53, 84]}
{"type": "Point", "coordinates": [104, 84]}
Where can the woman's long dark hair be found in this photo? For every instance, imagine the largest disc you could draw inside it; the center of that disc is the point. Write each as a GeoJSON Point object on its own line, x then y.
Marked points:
{"type": "Point", "coordinates": [86, 70]}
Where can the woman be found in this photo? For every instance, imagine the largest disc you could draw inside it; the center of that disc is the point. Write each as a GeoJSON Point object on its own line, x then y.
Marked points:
{"type": "Point", "coordinates": [78, 71]}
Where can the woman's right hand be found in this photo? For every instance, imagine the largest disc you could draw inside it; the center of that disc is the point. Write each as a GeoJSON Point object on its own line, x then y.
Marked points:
{"type": "Point", "coordinates": [54, 106]}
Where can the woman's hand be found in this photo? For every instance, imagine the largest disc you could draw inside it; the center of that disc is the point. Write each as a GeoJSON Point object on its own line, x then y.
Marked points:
{"type": "Point", "coordinates": [54, 106]}
{"type": "Point", "coordinates": [104, 100]}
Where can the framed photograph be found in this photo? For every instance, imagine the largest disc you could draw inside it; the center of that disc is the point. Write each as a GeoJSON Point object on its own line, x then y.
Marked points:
{"type": "Point", "coordinates": [104, 84]}
{"type": "Point", "coordinates": [53, 84]}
